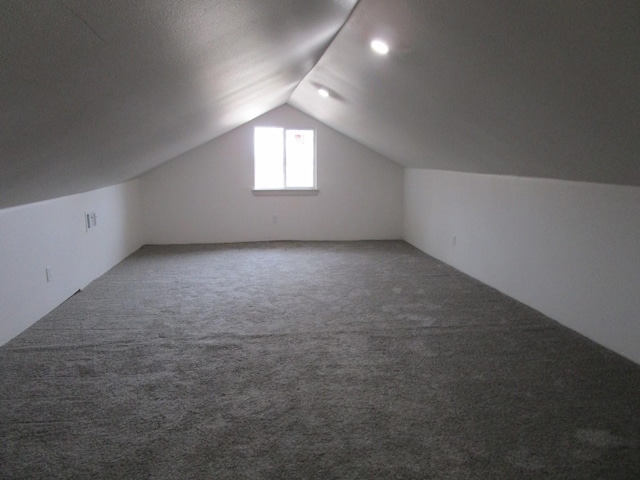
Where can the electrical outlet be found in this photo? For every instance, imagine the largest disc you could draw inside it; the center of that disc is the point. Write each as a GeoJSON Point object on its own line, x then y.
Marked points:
{"type": "Point", "coordinates": [90, 220]}
{"type": "Point", "coordinates": [454, 240]}
{"type": "Point", "coordinates": [48, 274]}
{"type": "Point", "coordinates": [274, 219]}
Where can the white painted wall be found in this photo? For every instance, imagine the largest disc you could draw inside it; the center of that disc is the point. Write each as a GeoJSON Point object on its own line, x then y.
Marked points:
{"type": "Point", "coordinates": [205, 195]}
{"type": "Point", "coordinates": [570, 250]}
{"type": "Point", "coordinates": [52, 233]}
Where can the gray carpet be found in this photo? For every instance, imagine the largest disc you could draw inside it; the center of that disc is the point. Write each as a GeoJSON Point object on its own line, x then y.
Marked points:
{"type": "Point", "coordinates": [300, 360]}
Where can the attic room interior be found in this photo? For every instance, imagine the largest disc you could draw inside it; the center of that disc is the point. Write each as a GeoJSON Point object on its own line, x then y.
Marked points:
{"type": "Point", "coordinates": [446, 287]}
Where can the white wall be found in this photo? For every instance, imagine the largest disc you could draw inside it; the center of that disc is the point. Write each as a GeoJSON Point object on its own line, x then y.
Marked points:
{"type": "Point", "coordinates": [205, 195]}
{"type": "Point", "coordinates": [570, 250]}
{"type": "Point", "coordinates": [52, 233]}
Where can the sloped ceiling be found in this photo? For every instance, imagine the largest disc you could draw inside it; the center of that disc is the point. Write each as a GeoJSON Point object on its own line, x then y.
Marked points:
{"type": "Point", "coordinates": [545, 88]}
{"type": "Point", "coordinates": [93, 93]}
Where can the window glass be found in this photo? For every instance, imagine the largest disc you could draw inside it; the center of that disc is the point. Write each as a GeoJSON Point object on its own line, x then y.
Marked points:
{"type": "Point", "coordinates": [284, 158]}
{"type": "Point", "coordinates": [269, 157]}
{"type": "Point", "coordinates": [299, 159]}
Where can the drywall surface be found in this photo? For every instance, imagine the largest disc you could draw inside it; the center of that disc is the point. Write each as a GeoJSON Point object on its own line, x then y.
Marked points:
{"type": "Point", "coordinates": [205, 196]}
{"type": "Point", "coordinates": [568, 249]}
{"type": "Point", "coordinates": [53, 234]}
{"type": "Point", "coordinates": [96, 92]}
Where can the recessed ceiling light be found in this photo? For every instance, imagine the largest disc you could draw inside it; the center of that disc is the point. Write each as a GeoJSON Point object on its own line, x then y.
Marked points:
{"type": "Point", "coordinates": [380, 47]}
{"type": "Point", "coordinates": [324, 93]}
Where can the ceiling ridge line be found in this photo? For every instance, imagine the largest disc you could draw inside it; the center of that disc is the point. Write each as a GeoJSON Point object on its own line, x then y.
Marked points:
{"type": "Point", "coordinates": [355, 7]}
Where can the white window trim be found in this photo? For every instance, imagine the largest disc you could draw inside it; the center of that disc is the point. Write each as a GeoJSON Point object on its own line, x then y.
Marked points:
{"type": "Point", "coordinates": [285, 191]}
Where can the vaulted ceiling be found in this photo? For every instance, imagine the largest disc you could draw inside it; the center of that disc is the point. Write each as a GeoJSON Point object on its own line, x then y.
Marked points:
{"type": "Point", "coordinates": [93, 93]}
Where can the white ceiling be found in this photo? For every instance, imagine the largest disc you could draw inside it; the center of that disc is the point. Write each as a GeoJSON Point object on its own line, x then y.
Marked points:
{"type": "Point", "coordinates": [93, 93]}
{"type": "Point", "coordinates": [527, 87]}
{"type": "Point", "coordinates": [96, 92]}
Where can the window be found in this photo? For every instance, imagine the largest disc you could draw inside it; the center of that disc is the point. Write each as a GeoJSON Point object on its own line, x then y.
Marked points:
{"type": "Point", "coordinates": [284, 159]}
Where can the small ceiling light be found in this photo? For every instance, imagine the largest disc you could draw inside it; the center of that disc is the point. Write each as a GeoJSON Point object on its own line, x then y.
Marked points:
{"type": "Point", "coordinates": [380, 47]}
{"type": "Point", "coordinates": [324, 93]}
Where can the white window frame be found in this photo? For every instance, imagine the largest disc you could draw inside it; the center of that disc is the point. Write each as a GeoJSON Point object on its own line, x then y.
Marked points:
{"type": "Point", "coordinates": [290, 190]}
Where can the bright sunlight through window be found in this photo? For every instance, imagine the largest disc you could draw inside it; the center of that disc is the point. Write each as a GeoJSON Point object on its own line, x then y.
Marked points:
{"type": "Point", "coordinates": [284, 159]}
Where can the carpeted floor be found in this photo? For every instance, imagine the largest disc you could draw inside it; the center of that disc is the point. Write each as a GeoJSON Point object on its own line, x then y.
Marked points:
{"type": "Point", "coordinates": [291, 360]}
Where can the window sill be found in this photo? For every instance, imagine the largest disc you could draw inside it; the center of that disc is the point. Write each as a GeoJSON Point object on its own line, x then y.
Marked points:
{"type": "Point", "coordinates": [286, 191]}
